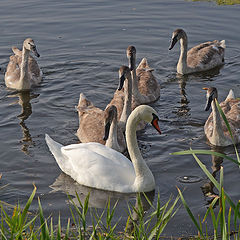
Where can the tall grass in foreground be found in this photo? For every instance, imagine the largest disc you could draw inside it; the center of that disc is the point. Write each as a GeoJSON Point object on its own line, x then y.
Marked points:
{"type": "Point", "coordinates": [20, 224]}
{"type": "Point", "coordinates": [226, 223]}
{"type": "Point", "coordinates": [220, 2]}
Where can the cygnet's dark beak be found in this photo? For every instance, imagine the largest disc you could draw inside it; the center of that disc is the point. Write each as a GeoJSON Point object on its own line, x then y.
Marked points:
{"type": "Point", "coordinates": [173, 42]}
{"type": "Point", "coordinates": [208, 103]}
{"type": "Point", "coordinates": [34, 50]}
{"type": "Point", "coordinates": [131, 62]}
{"type": "Point", "coordinates": [107, 129]}
{"type": "Point", "coordinates": [121, 82]}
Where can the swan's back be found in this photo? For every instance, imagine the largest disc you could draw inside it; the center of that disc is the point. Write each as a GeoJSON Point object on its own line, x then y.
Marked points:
{"type": "Point", "coordinates": [147, 83]}
{"type": "Point", "coordinates": [231, 109]}
{"type": "Point", "coordinates": [206, 55]}
{"type": "Point", "coordinates": [94, 165]}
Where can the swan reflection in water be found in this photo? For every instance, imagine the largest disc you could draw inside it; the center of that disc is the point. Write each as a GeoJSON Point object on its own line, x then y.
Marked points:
{"type": "Point", "coordinates": [183, 109]}
{"type": "Point", "coordinates": [208, 187]}
{"type": "Point", "coordinates": [99, 198]}
{"type": "Point", "coordinates": [24, 99]}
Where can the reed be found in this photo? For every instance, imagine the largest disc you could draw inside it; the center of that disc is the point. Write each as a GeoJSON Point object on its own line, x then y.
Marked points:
{"type": "Point", "coordinates": [226, 222]}
{"type": "Point", "coordinates": [20, 224]}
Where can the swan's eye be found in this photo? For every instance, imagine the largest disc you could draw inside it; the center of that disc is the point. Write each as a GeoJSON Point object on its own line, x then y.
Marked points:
{"type": "Point", "coordinates": [155, 117]}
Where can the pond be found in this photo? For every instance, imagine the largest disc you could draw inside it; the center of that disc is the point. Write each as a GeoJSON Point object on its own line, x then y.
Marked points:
{"type": "Point", "coordinates": [82, 45]}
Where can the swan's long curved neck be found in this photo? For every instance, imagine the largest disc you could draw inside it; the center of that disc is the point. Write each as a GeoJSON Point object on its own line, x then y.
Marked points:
{"type": "Point", "coordinates": [112, 140]}
{"type": "Point", "coordinates": [140, 166]}
{"type": "Point", "coordinates": [24, 78]}
{"type": "Point", "coordinates": [127, 107]}
{"type": "Point", "coordinates": [218, 134]}
{"type": "Point", "coordinates": [182, 61]}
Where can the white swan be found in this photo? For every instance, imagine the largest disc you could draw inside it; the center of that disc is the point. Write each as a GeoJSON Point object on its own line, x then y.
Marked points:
{"type": "Point", "coordinates": [146, 88]}
{"type": "Point", "coordinates": [95, 165]}
{"type": "Point", "coordinates": [202, 57]}
{"type": "Point", "coordinates": [23, 70]}
{"type": "Point", "coordinates": [96, 125]}
{"type": "Point", "coordinates": [215, 128]}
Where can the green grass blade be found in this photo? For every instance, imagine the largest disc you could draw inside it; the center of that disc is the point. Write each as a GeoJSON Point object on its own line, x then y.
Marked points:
{"type": "Point", "coordinates": [221, 181]}
{"type": "Point", "coordinates": [2, 235]}
{"type": "Point", "coordinates": [216, 184]}
{"type": "Point", "coordinates": [207, 152]}
{"type": "Point", "coordinates": [224, 118]}
{"type": "Point", "coordinates": [52, 232]}
{"type": "Point", "coordinates": [25, 210]}
{"type": "Point", "coordinates": [59, 228]}
{"type": "Point", "coordinates": [228, 127]}
{"type": "Point", "coordinates": [236, 210]}
{"type": "Point", "coordinates": [42, 221]}
{"type": "Point", "coordinates": [229, 220]}
{"type": "Point", "coordinates": [209, 175]}
{"type": "Point", "coordinates": [67, 230]}
{"type": "Point", "coordinates": [189, 212]}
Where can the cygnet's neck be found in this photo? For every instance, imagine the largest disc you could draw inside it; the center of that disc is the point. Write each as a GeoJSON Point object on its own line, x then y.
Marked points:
{"type": "Point", "coordinates": [112, 140]}
{"type": "Point", "coordinates": [218, 137]}
{"type": "Point", "coordinates": [127, 107]}
{"type": "Point", "coordinates": [24, 81]}
{"type": "Point", "coordinates": [182, 67]}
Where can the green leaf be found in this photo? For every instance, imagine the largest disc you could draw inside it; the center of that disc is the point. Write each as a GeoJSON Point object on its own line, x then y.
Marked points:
{"type": "Point", "coordinates": [25, 210]}
{"type": "Point", "coordinates": [207, 152]}
{"type": "Point", "coordinates": [189, 212]}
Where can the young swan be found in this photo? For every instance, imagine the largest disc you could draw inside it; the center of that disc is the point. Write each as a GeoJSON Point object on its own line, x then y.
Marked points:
{"type": "Point", "coordinates": [122, 98]}
{"type": "Point", "coordinates": [96, 125]}
{"type": "Point", "coordinates": [202, 57]}
{"type": "Point", "coordinates": [22, 70]}
{"type": "Point", "coordinates": [146, 88]}
{"type": "Point", "coordinates": [215, 128]}
{"type": "Point", "coordinates": [95, 165]}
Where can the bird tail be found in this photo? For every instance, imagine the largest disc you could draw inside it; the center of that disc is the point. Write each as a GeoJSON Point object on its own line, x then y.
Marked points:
{"type": "Point", "coordinates": [55, 148]}
{"type": "Point", "coordinates": [230, 95]}
{"type": "Point", "coordinates": [223, 44]}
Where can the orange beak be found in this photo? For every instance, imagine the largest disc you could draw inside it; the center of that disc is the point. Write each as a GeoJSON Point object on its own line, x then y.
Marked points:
{"type": "Point", "coordinates": [155, 125]}
{"type": "Point", "coordinates": [205, 88]}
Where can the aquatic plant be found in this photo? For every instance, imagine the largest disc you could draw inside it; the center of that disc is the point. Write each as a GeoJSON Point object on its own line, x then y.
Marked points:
{"type": "Point", "coordinates": [221, 2]}
{"type": "Point", "coordinates": [226, 222]}
{"type": "Point", "coordinates": [21, 224]}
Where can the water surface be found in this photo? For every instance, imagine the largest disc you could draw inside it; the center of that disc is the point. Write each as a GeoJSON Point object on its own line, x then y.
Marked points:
{"type": "Point", "coordinates": [82, 45]}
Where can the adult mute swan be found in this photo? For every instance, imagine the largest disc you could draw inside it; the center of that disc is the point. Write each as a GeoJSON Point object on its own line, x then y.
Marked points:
{"type": "Point", "coordinates": [146, 88]}
{"type": "Point", "coordinates": [202, 57]}
{"type": "Point", "coordinates": [215, 128]}
{"type": "Point", "coordinates": [23, 70]}
{"type": "Point", "coordinates": [97, 166]}
{"type": "Point", "coordinates": [95, 123]}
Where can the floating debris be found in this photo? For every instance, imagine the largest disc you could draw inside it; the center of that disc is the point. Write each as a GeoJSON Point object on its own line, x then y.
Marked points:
{"type": "Point", "coordinates": [189, 179]}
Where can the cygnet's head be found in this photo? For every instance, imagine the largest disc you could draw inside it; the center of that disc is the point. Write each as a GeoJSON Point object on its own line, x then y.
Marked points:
{"type": "Point", "coordinates": [124, 73]}
{"type": "Point", "coordinates": [211, 95]}
{"type": "Point", "coordinates": [30, 45]}
{"type": "Point", "coordinates": [177, 35]}
{"type": "Point", "coordinates": [131, 55]}
{"type": "Point", "coordinates": [110, 115]}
